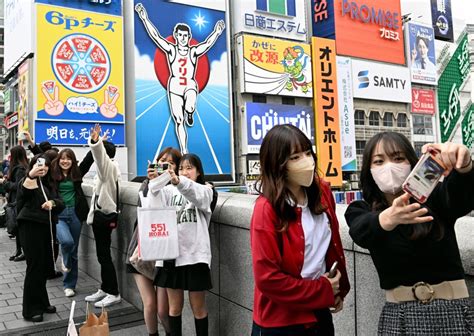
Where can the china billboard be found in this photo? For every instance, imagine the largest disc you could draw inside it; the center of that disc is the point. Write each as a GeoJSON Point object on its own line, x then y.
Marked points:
{"type": "Point", "coordinates": [369, 29]}
{"type": "Point", "coordinates": [181, 83]}
{"type": "Point", "coordinates": [274, 66]}
{"type": "Point", "coordinates": [275, 18]}
{"type": "Point", "coordinates": [421, 53]}
{"type": "Point", "coordinates": [80, 70]}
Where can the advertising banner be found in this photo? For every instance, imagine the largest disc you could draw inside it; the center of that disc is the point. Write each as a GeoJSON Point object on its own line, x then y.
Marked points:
{"type": "Point", "coordinates": [421, 54]}
{"type": "Point", "coordinates": [74, 133]}
{"type": "Point", "coordinates": [327, 130]}
{"type": "Point", "coordinates": [467, 127]}
{"type": "Point", "coordinates": [17, 30]}
{"type": "Point", "coordinates": [275, 18]}
{"type": "Point", "coordinates": [442, 19]}
{"type": "Point", "coordinates": [6, 100]}
{"type": "Point", "coordinates": [23, 92]}
{"type": "Point", "coordinates": [182, 84]}
{"type": "Point", "coordinates": [322, 18]}
{"type": "Point", "coordinates": [379, 81]}
{"type": "Point", "coordinates": [278, 67]}
{"type": "Point", "coordinates": [262, 117]}
{"type": "Point", "coordinates": [370, 29]}
{"type": "Point", "coordinates": [423, 101]}
{"type": "Point", "coordinates": [449, 85]}
{"type": "Point", "coordinates": [11, 121]}
{"type": "Point", "coordinates": [346, 114]}
{"type": "Point", "coordinates": [80, 66]}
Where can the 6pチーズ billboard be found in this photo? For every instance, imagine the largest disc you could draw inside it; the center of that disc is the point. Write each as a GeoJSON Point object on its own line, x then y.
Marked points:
{"type": "Point", "coordinates": [79, 68]}
{"type": "Point", "coordinates": [181, 86]}
{"type": "Point", "coordinates": [274, 66]}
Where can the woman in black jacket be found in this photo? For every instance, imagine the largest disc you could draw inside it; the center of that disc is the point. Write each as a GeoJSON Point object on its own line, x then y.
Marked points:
{"type": "Point", "coordinates": [38, 205]}
{"type": "Point", "coordinates": [17, 171]}
{"type": "Point", "coordinates": [68, 178]}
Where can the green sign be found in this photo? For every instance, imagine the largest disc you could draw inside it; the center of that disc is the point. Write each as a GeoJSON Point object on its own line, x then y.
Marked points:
{"type": "Point", "coordinates": [467, 127]}
{"type": "Point", "coordinates": [6, 100]}
{"type": "Point", "coordinates": [449, 84]}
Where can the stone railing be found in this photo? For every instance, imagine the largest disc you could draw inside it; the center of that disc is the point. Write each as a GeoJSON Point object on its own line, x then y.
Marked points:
{"type": "Point", "coordinates": [230, 301]}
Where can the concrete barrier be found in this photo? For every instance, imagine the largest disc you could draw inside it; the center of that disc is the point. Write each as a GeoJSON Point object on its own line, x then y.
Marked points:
{"type": "Point", "coordinates": [230, 301]}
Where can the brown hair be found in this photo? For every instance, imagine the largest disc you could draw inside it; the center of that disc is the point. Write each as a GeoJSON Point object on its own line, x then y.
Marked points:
{"type": "Point", "coordinates": [175, 155]}
{"type": "Point", "coordinates": [277, 147]}
{"type": "Point", "coordinates": [74, 172]}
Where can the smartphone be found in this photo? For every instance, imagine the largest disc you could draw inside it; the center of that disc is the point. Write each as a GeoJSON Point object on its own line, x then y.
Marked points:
{"type": "Point", "coordinates": [424, 177]}
{"type": "Point", "coordinates": [333, 270]}
{"type": "Point", "coordinates": [162, 167]}
{"type": "Point", "coordinates": [153, 166]}
{"type": "Point", "coordinates": [40, 162]}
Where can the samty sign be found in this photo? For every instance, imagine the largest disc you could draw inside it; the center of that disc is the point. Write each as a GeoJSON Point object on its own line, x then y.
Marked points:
{"type": "Point", "coordinates": [362, 28]}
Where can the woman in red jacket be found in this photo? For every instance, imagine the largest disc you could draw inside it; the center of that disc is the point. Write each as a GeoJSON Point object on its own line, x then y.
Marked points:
{"type": "Point", "coordinates": [295, 240]}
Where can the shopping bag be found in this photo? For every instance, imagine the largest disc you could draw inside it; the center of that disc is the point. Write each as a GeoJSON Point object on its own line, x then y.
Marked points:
{"type": "Point", "coordinates": [95, 326]}
{"type": "Point", "coordinates": [157, 233]}
{"type": "Point", "coordinates": [71, 327]}
{"type": "Point", "coordinates": [146, 268]}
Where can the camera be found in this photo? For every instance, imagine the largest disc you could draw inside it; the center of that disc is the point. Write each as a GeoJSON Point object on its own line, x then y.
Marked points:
{"type": "Point", "coordinates": [424, 177]}
{"type": "Point", "coordinates": [159, 167]}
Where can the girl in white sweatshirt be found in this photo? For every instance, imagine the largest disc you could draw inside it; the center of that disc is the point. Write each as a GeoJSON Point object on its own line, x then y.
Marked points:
{"type": "Point", "coordinates": [191, 269]}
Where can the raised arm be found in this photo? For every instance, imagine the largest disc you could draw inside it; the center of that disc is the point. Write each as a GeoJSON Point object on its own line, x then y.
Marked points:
{"type": "Point", "coordinates": [151, 29]}
{"type": "Point", "coordinates": [203, 47]}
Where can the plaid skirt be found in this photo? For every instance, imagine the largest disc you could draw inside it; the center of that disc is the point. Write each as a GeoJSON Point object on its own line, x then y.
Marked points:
{"type": "Point", "coordinates": [440, 317]}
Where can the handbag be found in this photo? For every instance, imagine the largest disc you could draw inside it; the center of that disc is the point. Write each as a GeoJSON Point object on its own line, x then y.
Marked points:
{"type": "Point", "coordinates": [95, 326]}
{"type": "Point", "coordinates": [109, 220]}
{"type": "Point", "coordinates": [157, 233]}
{"type": "Point", "coordinates": [10, 217]}
{"type": "Point", "coordinates": [146, 268]}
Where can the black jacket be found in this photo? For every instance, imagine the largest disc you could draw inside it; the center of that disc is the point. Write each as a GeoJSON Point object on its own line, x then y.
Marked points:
{"type": "Point", "coordinates": [11, 185]}
{"type": "Point", "coordinates": [29, 202]}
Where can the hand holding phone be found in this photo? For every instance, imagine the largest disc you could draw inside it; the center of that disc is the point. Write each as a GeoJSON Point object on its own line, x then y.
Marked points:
{"type": "Point", "coordinates": [333, 271]}
{"type": "Point", "coordinates": [40, 162]}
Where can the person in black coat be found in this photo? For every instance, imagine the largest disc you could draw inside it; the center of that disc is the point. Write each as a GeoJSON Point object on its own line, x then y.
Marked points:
{"type": "Point", "coordinates": [38, 205]}
{"type": "Point", "coordinates": [17, 171]}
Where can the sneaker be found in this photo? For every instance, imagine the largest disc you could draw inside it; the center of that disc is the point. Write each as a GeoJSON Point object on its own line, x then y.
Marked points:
{"type": "Point", "coordinates": [99, 295]}
{"type": "Point", "coordinates": [64, 268]}
{"type": "Point", "coordinates": [190, 119]}
{"type": "Point", "coordinates": [69, 292]}
{"type": "Point", "coordinates": [108, 301]}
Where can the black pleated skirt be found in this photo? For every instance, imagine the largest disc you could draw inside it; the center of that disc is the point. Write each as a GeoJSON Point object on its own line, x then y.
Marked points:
{"type": "Point", "coordinates": [195, 277]}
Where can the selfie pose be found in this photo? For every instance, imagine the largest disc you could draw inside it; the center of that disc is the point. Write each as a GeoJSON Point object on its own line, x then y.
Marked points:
{"type": "Point", "coordinates": [38, 204]}
{"type": "Point", "coordinates": [414, 245]}
{"type": "Point", "coordinates": [295, 241]}
{"type": "Point", "coordinates": [192, 198]}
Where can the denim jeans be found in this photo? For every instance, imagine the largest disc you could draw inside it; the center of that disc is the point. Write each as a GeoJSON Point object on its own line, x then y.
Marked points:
{"type": "Point", "coordinates": [68, 231]}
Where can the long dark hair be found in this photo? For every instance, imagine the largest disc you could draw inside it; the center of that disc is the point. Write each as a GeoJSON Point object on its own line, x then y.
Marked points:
{"type": "Point", "coordinates": [175, 155]}
{"type": "Point", "coordinates": [48, 179]}
{"type": "Point", "coordinates": [393, 144]}
{"type": "Point", "coordinates": [17, 158]}
{"type": "Point", "coordinates": [277, 147]}
{"type": "Point", "coordinates": [74, 173]}
{"type": "Point", "coordinates": [195, 161]}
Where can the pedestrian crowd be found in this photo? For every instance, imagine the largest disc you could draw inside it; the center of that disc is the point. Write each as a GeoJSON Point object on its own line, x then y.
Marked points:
{"type": "Point", "coordinates": [297, 256]}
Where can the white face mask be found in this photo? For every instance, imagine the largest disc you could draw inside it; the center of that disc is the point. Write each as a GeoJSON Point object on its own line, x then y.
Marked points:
{"type": "Point", "coordinates": [390, 177]}
{"type": "Point", "coordinates": [301, 172]}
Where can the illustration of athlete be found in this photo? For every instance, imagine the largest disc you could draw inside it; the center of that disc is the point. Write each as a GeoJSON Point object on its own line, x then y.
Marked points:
{"type": "Point", "coordinates": [182, 58]}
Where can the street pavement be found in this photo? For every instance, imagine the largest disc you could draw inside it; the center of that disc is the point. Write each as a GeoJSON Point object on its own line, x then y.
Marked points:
{"type": "Point", "coordinates": [11, 296]}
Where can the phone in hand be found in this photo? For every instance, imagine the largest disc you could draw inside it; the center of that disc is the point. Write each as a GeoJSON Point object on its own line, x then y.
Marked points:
{"type": "Point", "coordinates": [333, 270]}
{"type": "Point", "coordinates": [40, 162]}
{"type": "Point", "coordinates": [424, 177]}
{"type": "Point", "coordinates": [160, 167]}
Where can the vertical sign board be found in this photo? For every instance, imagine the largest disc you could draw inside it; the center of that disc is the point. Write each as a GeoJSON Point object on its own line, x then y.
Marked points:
{"type": "Point", "coordinates": [182, 84]}
{"type": "Point", "coordinates": [274, 66]}
{"type": "Point", "coordinates": [423, 101]}
{"type": "Point", "coordinates": [275, 18]}
{"type": "Point", "coordinates": [322, 18]}
{"type": "Point", "coordinates": [449, 85]}
{"type": "Point", "coordinates": [261, 118]}
{"type": "Point", "coordinates": [346, 114]}
{"type": "Point", "coordinates": [421, 53]}
{"type": "Point", "coordinates": [467, 127]}
{"type": "Point", "coordinates": [442, 20]}
{"type": "Point", "coordinates": [80, 71]}
{"type": "Point", "coordinates": [23, 93]}
{"type": "Point", "coordinates": [327, 131]}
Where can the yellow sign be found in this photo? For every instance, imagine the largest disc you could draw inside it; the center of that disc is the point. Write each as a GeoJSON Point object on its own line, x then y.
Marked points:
{"type": "Point", "coordinates": [23, 90]}
{"type": "Point", "coordinates": [278, 67]}
{"type": "Point", "coordinates": [80, 65]}
{"type": "Point", "coordinates": [327, 131]}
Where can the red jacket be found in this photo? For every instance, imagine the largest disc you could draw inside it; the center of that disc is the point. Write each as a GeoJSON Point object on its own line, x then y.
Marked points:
{"type": "Point", "coordinates": [281, 296]}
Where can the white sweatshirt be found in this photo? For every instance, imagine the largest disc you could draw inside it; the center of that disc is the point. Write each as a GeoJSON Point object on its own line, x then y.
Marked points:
{"type": "Point", "coordinates": [193, 205]}
{"type": "Point", "coordinates": [108, 173]}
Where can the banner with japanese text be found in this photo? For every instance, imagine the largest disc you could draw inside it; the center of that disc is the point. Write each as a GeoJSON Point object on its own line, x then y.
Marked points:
{"type": "Point", "coordinates": [23, 97]}
{"type": "Point", "coordinates": [327, 126]}
{"type": "Point", "coordinates": [467, 128]}
{"type": "Point", "coordinates": [273, 66]}
{"type": "Point", "coordinates": [182, 94]}
{"type": "Point", "coordinates": [80, 71]}
{"type": "Point", "coordinates": [449, 86]}
{"type": "Point", "coordinates": [421, 56]}
{"type": "Point", "coordinates": [423, 101]}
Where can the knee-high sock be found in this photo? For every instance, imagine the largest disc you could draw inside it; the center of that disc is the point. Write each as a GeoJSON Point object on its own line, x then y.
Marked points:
{"type": "Point", "coordinates": [201, 326]}
{"type": "Point", "coordinates": [175, 325]}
